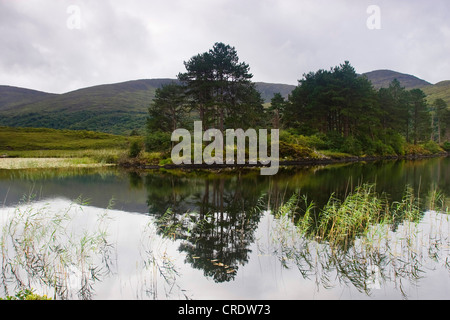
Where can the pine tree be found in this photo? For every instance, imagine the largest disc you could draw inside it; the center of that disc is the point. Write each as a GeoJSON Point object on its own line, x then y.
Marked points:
{"type": "Point", "coordinates": [440, 118]}
{"type": "Point", "coordinates": [420, 115]}
{"type": "Point", "coordinates": [221, 87]}
{"type": "Point", "coordinates": [276, 110]}
{"type": "Point", "coordinates": [169, 109]}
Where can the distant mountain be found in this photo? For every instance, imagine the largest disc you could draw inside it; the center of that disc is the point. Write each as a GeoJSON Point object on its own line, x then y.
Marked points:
{"type": "Point", "coordinates": [439, 90]}
{"type": "Point", "coordinates": [267, 90]}
{"type": "Point", "coordinates": [121, 107]}
{"type": "Point", "coordinates": [113, 108]}
{"type": "Point", "coordinates": [11, 97]}
{"type": "Point", "coordinates": [382, 79]}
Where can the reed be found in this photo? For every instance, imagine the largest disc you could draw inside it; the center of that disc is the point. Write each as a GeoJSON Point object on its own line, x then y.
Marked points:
{"type": "Point", "coordinates": [40, 248]}
{"type": "Point", "coordinates": [363, 240]}
{"type": "Point", "coordinates": [341, 221]}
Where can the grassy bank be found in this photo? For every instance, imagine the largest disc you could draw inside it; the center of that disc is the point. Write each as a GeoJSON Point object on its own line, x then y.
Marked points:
{"type": "Point", "coordinates": [38, 148]}
{"type": "Point", "coordinates": [296, 149]}
{"type": "Point", "coordinates": [70, 148]}
{"type": "Point", "coordinates": [40, 163]}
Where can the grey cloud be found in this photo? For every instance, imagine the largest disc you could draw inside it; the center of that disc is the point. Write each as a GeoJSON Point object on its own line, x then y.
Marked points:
{"type": "Point", "coordinates": [280, 39]}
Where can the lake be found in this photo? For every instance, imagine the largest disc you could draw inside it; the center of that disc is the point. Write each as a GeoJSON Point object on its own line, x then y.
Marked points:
{"type": "Point", "coordinates": [109, 233]}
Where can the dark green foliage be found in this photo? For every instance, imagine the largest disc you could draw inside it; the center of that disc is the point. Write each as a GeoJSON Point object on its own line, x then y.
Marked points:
{"type": "Point", "coordinates": [169, 109]}
{"type": "Point", "coordinates": [220, 89]}
{"type": "Point", "coordinates": [277, 109]}
{"type": "Point", "coordinates": [336, 101]}
{"type": "Point", "coordinates": [216, 89]}
{"type": "Point", "coordinates": [135, 149]}
{"type": "Point", "coordinates": [440, 120]}
{"type": "Point", "coordinates": [134, 133]}
{"type": "Point", "coordinates": [432, 147]}
{"type": "Point", "coordinates": [158, 141]}
{"type": "Point", "coordinates": [114, 122]}
{"type": "Point", "coordinates": [420, 116]}
{"type": "Point", "coordinates": [446, 146]}
{"type": "Point", "coordinates": [353, 117]}
{"type": "Point", "coordinates": [352, 145]}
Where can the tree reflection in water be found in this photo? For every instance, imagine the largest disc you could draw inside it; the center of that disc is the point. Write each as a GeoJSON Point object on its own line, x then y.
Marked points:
{"type": "Point", "coordinates": [215, 219]}
{"type": "Point", "coordinates": [221, 222]}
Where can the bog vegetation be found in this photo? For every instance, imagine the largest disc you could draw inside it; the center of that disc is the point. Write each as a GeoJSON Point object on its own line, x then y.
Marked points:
{"type": "Point", "coordinates": [51, 143]}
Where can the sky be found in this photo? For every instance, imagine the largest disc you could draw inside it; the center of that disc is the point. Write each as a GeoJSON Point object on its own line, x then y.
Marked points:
{"type": "Point", "coordinates": [62, 45]}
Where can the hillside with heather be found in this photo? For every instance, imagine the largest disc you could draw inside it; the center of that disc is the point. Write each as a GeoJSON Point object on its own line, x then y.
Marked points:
{"type": "Point", "coordinates": [120, 108]}
{"type": "Point", "coordinates": [382, 79]}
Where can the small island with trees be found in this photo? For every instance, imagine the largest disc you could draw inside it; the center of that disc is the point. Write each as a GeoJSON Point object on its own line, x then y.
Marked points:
{"type": "Point", "coordinates": [334, 115]}
{"type": "Point", "coordinates": [331, 115]}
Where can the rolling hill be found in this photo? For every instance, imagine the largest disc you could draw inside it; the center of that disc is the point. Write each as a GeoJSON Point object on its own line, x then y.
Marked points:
{"type": "Point", "coordinates": [112, 108]}
{"type": "Point", "coordinates": [11, 97]}
{"type": "Point", "coordinates": [382, 79]}
{"type": "Point", "coordinates": [440, 90]}
{"type": "Point", "coordinates": [267, 90]}
{"type": "Point", "coordinates": [121, 107]}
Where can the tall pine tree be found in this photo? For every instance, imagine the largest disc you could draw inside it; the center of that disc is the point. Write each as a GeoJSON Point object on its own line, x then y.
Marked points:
{"type": "Point", "coordinates": [221, 88]}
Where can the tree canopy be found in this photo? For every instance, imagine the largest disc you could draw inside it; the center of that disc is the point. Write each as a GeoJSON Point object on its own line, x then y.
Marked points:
{"type": "Point", "coordinates": [337, 108]}
{"type": "Point", "coordinates": [221, 89]}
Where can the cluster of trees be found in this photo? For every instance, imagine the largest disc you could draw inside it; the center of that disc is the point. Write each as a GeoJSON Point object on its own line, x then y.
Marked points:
{"type": "Point", "coordinates": [338, 107]}
{"type": "Point", "coordinates": [215, 89]}
{"type": "Point", "coordinates": [343, 107]}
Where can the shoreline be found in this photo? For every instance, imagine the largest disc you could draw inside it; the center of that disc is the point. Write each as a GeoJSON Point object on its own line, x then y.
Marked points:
{"type": "Point", "coordinates": [53, 163]}
{"type": "Point", "coordinates": [49, 163]}
{"type": "Point", "coordinates": [288, 163]}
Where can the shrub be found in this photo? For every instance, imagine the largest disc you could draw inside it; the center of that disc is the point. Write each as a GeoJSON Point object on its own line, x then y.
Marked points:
{"type": "Point", "coordinates": [317, 141]}
{"type": "Point", "coordinates": [397, 142]}
{"type": "Point", "coordinates": [432, 147]}
{"type": "Point", "coordinates": [158, 141]}
{"type": "Point", "coordinates": [334, 141]}
{"type": "Point", "coordinates": [135, 149]}
{"type": "Point", "coordinates": [294, 152]}
{"type": "Point", "coordinates": [352, 146]}
{"type": "Point", "coordinates": [383, 149]}
{"type": "Point", "coordinates": [412, 149]}
{"type": "Point", "coordinates": [446, 146]}
{"type": "Point", "coordinates": [26, 294]}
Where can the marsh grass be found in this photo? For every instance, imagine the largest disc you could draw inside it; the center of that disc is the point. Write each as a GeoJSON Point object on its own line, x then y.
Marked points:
{"type": "Point", "coordinates": [35, 139]}
{"type": "Point", "coordinates": [63, 251]}
{"type": "Point", "coordinates": [363, 240]}
{"type": "Point", "coordinates": [342, 220]}
{"type": "Point", "coordinates": [42, 248]}
{"type": "Point", "coordinates": [160, 270]}
{"type": "Point", "coordinates": [69, 147]}
{"type": "Point", "coordinates": [60, 158]}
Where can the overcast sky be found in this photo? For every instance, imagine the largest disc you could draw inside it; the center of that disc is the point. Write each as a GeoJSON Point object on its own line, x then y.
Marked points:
{"type": "Point", "coordinates": [62, 45]}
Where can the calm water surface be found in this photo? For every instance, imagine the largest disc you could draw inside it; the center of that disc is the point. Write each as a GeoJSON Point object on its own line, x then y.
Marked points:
{"type": "Point", "coordinates": [172, 235]}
